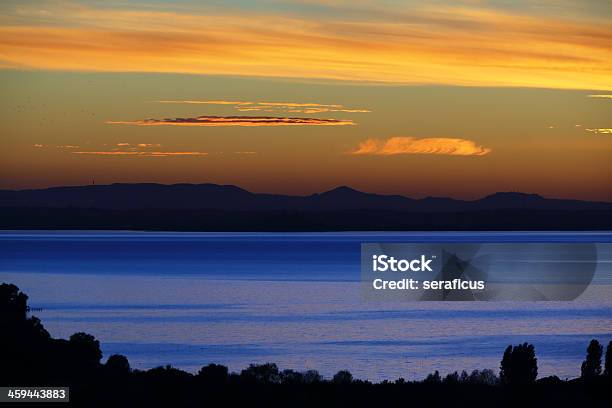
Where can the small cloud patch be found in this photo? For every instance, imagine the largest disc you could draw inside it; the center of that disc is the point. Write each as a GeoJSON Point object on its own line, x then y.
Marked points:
{"type": "Point", "coordinates": [412, 145]}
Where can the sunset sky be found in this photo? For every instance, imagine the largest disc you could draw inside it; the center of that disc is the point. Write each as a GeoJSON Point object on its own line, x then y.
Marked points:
{"type": "Point", "coordinates": [443, 98]}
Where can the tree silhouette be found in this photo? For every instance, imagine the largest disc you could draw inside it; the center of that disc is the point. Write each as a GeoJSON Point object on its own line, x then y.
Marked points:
{"type": "Point", "coordinates": [452, 378]}
{"type": "Point", "coordinates": [34, 358]}
{"type": "Point", "coordinates": [312, 376]}
{"type": "Point", "coordinates": [291, 377]}
{"type": "Point", "coordinates": [591, 367]}
{"type": "Point", "coordinates": [215, 374]}
{"type": "Point", "coordinates": [85, 350]}
{"type": "Point", "coordinates": [608, 361]}
{"type": "Point", "coordinates": [13, 304]}
{"type": "Point", "coordinates": [261, 373]}
{"type": "Point", "coordinates": [343, 377]}
{"type": "Point", "coordinates": [433, 378]}
{"type": "Point", "coordinates": [24, 342]}
{"type": "Point", "coordinates": [118, 364]}
{"type": "Point", "coordinates": [519, 365]}
{"type": "Point", "coordinates": [17, 327]}
{"type": "Point", "coordinates": [485, 376]}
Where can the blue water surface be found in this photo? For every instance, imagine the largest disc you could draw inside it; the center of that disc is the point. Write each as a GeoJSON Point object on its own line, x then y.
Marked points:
{"type": "Point", "coordinates": [188, 299]}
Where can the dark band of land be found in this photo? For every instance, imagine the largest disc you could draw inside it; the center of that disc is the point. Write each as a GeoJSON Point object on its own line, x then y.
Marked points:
{"type": "Point", "coordinates": [211, 207]}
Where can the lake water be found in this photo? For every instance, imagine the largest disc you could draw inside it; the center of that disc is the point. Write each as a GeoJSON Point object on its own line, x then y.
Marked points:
{"type": "Point", "coordinates": [188, 299]}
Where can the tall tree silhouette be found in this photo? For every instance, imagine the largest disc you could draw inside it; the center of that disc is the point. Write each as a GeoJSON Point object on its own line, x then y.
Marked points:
{"type": "Point", "coordinates": [24, 342]}
{"type": "Point", "coordinates": [591, 367]}
{"type": "Point", "coordinates": [519, 365]}
{"type": "Point", "coordinates": [608, 365]}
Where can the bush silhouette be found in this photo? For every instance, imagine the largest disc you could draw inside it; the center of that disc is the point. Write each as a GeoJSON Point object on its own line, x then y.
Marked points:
{"type": "Point", "coordinates": [550, 380]}
{"type": "Point", "coordinates": [519, 365]}
{"type": "Point", "coordinates": [591, 367]}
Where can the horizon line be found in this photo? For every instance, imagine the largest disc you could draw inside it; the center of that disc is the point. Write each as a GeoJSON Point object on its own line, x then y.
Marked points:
{"type": "Point", "coordinates": [338, 187]}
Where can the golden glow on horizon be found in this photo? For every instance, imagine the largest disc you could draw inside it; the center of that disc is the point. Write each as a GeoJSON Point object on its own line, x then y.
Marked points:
{"type": "Point", "coordinates": [300, 98]}
{"type": "Point", "coordinates": [412, 145]}
{"type": "Point", "coordinates": [426, 45]}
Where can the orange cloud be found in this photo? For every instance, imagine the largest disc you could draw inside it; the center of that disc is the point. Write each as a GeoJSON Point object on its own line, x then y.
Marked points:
{"type": "Point", "coordinates": [604, 96]}
{"type": "Point", "coordinates": [143, 154]}
{"type": "Point", "coordinates": [290, 107]}
{"type": "Point", "coordinates": [137, 145]}
{"type": "Point", "coordinates": [423, 45]}
{"type": "Point", "coordinates": [236, 121]}
{"type": "Point", "coordinates": [412, 145]}
{"type": "Point", "coordinates": [250, 103]}
{"type": "Point", "coordinates": [599, 130]}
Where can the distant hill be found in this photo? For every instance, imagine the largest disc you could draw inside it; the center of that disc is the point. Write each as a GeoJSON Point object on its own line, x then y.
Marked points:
{"type": "Point", "coordinates": [227, 207]}
{"type": "Point", "coordinates": [228, 197]}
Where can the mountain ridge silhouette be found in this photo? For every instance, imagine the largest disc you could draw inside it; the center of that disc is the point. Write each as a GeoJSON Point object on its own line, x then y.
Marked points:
{"type": "Point", "coordinates": [208, 196]}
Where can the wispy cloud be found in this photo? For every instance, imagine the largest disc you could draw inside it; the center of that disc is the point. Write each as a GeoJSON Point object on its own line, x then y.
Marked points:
{"type": "Point", "coordinates": [600, 130]}
{"type": "Point", "coordinates": [602, 96]}
{"type": "Point", "coordinates": [235, 121]}
{"type": "Point", "coordinates": [143, 154]}
{"type": "Point", "coordinates": [425, 44]}
{"type": "Point", "coordinates": [64, 147]}
{"type": "Point", "coordinates": [220, 102]}
{"type": "Point", "coordinates": [412, 145]}
{"type": "Point", "coordinates": [126, 149]}
{"type": "Point", "coordinates": [137, 145]}
{"type": "Point", "coordinates": [289, 107]}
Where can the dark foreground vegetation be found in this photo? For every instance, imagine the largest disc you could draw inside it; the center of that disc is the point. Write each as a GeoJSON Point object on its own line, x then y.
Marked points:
{"type": "Point", "coordinates": [30, 356]}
